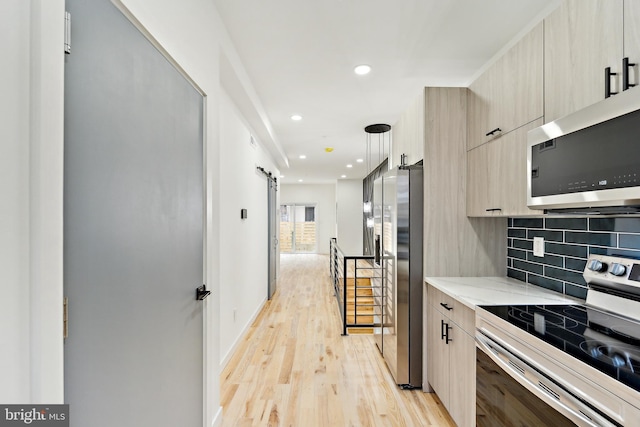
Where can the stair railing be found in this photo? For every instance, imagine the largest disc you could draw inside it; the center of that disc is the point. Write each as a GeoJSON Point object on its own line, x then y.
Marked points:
{"type": "Point", "coordinates": [357, 284]}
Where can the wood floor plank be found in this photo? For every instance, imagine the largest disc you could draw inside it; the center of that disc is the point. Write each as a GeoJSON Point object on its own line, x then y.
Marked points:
{"type": "Point", "coordinates": [294, 368]}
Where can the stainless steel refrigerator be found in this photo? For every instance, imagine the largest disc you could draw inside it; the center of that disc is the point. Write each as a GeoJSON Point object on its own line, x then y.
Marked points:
{"type": "Point", "coordinates": [398, 224]}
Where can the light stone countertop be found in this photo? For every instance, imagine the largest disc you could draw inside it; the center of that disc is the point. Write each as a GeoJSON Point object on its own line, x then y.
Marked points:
{"type": "Point", "coordinates": [473, 291]}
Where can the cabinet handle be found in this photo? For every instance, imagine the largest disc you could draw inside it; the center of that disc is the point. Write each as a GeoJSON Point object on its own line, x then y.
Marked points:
{"type": "Point", "coordinates": [442, 329]}
{"type": "Point", "coordinates": [625, 73]}
{"type": "Point", "coordinates": [607, 82]}
{"type": "Point", "coordinates": [445, 305]}
{"type": "Point", "coordinates": [496, 130]}
{"type": "Point", "coordinates": [493, 209]}
{"type": "Point", "coordinates": [447, 340]}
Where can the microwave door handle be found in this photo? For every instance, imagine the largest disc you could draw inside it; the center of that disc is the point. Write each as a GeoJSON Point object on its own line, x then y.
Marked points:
{"type": "Point", "coordinates": [573, 409]}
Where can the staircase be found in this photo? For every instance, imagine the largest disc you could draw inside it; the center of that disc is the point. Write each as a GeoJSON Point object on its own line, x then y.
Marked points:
{"type": "Point", "coordinates": [359, 305]}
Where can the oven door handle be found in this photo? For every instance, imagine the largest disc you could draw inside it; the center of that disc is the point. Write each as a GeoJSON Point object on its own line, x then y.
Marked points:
{"type": "Point", "coordinates": [530, 376]}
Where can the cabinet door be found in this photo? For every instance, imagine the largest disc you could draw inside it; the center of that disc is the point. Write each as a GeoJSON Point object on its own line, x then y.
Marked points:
{"type": "Point", "coordinates": [509, 93]}
{"type": "Point", "coordinates": [632, 38]}
{"type": "Point", "coordinates": [497, 176]}
{"type": "Point", "coordinates": [483, 101]}
{"type": "Point", "coordinates": [522, 102]}
{"type": "Point", "coordinates": [438, 355]}
{"type": "Point", "coordinates": [581, 39]}
{"type": "Point", "coordinates": [510, 172]}
{"type": "Point", "coordinates": [463, 378]}
{"type": "Point", "coordinates": [479, 194]}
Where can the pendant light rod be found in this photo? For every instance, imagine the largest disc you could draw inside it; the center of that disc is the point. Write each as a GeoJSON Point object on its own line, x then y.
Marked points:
{"type": "Point", "coordinates": [380, 129]}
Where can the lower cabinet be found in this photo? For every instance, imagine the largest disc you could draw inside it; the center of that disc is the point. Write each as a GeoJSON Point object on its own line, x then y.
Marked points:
{"type": "Point", "coordinates": [451, 363]}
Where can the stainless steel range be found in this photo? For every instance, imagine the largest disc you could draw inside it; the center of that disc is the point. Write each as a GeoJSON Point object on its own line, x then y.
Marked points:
{"type": "Point", "coordinates": [559, 365]}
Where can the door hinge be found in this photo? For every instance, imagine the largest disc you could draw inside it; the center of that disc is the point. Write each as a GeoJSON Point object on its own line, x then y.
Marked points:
{"type": "Point", "coordinates": [67, 33]}
{"type": "Point", "coordinates": [65, 318]}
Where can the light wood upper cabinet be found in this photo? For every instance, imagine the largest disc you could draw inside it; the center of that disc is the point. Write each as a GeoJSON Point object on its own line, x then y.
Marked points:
{"type": "Point", "coordinates": [632, 38]}
{"type": "Point", "coordinates": [581, 39]}
{"type": "Point", "coordinates": [497, 176]}
{"type": "Point", "coordinates": [509, 94]}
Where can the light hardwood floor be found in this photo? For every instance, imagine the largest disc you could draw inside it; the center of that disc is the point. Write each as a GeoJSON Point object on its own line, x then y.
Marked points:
{"type": "Point", "coordinates": [294, 368]}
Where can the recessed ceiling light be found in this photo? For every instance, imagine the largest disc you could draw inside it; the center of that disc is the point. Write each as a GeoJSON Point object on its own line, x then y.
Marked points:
{"type": "Point", "coordinates": [299, 180]}
{"type": "Point", "coordinates": [359, 160]}
{"type": "Point", "coordinates": [361, 70]}
{"type": "Point", "coordinates": [296, 117]}
{"type": "Point", "coordinates": [349, 165]}
{"type": "Point", "coordinates": [281, 176]}
{"type": "Point", "coordinates": [302, 156]}
{"type": "Point", "coordinates": [343, 176]}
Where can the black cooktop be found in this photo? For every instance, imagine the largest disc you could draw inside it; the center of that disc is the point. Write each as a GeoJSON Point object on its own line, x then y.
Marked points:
{"type": "Point", "coordinates": [606, 342]}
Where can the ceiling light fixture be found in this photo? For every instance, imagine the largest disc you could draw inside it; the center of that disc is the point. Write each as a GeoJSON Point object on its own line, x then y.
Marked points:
{"type": "Point", "coordinates": [302, 156]}
{"type": "Point", "coordinates": [296, 117]}
{"type": "Point", "coordinates": [359, 160]}
{"type": "Point", "coordinates": [361, 70]}
{"type": "Point", "coordinates": [343, 176]}
{"type": "Point", "coordinates": [349, 165]}
{"type": "Point", "coordinates": [299, 180]}
{"type": "Point", "coordinates": [383, 140]}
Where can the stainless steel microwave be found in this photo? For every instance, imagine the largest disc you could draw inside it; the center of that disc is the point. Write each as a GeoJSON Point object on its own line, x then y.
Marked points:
{"type": "Point", "coordinates": [588, 161]}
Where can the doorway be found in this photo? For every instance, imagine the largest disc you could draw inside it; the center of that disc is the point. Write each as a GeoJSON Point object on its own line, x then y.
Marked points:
{"type": "Point", "coordinates": [298, 228]}
{"type": "Point", "coordinates": [133, 237]}
{"type": "Point", "coordinates": [272, 238]}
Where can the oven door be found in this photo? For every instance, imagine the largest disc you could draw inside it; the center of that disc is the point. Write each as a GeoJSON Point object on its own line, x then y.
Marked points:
{"type": "Point", "coordinates": [512, 391]}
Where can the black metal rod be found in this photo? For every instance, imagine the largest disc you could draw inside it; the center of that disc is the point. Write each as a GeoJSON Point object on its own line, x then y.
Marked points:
{"type": "Point", "coordinates": [496, 130]}
{"type": "Point", "coordinates": [447, 339]}
{"type": "Point", "coordinates": [344, 298]}
{"type": "Point", "coordinates": [355, 292]}
{"type": "Point", "coordinates": [625, 73]}
{"type": "Point", "coordinates": [442, 326]}
{"type": "Point", "coordinates": [493, 209]}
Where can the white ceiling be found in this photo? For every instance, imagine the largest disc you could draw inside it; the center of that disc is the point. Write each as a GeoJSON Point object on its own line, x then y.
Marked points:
{"type": "Point", "coordinates": [300, 55]}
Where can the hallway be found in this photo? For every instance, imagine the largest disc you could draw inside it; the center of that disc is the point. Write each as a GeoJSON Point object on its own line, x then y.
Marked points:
{"type": "Point", "coordinates": [293, 367]}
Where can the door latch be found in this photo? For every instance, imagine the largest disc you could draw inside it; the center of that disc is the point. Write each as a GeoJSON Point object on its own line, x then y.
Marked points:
{"type": "Point", "coordinates": [202, 292]}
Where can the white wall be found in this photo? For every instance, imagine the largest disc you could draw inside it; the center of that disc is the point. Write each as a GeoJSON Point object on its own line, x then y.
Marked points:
{"type": "Point", "coordinates": [349, 215]}
{"type": "Point", "coordinates": [244, 248]}
{"type": "Point", "coordinates": [324, 197]}
{"type": "Point", "coordinates": [31, 117]}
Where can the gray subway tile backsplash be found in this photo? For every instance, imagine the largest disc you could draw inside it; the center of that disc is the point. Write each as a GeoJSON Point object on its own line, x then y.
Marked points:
{"type": "Point", "coordinates": [566, 223]}
{"type": "Point", "coordinates": [568, 242]}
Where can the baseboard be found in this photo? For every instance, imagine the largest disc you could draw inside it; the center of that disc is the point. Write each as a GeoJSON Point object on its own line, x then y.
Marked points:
{"type": "Point", "coordinates": [236, 343]}
{"type": "Point", "coordinates": [217, 420]}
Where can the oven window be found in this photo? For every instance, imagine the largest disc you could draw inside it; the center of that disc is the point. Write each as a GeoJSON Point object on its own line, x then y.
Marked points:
{"type": "Point", "coordinates": [502, 401]}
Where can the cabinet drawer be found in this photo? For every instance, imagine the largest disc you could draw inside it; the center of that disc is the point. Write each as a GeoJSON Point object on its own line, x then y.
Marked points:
{"type": "Point", "coordinates": [452, 309]}
{"type": "Point", "coordinates": [441, 301]}
{"type": "Point", "coordinates": [464, 317]}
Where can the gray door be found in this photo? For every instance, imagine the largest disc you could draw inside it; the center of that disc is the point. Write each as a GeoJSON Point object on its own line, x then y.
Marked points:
{"type": "Point", "coordinates": [273, 236]}
{"type": "Point", "coordinates": [133, 252]}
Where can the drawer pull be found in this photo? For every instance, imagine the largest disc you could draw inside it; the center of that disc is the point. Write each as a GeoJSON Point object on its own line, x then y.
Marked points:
{"type": "Point", "coordinates": [446, 306]}
{"type": "Point", "coordinates": [493, 132]}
